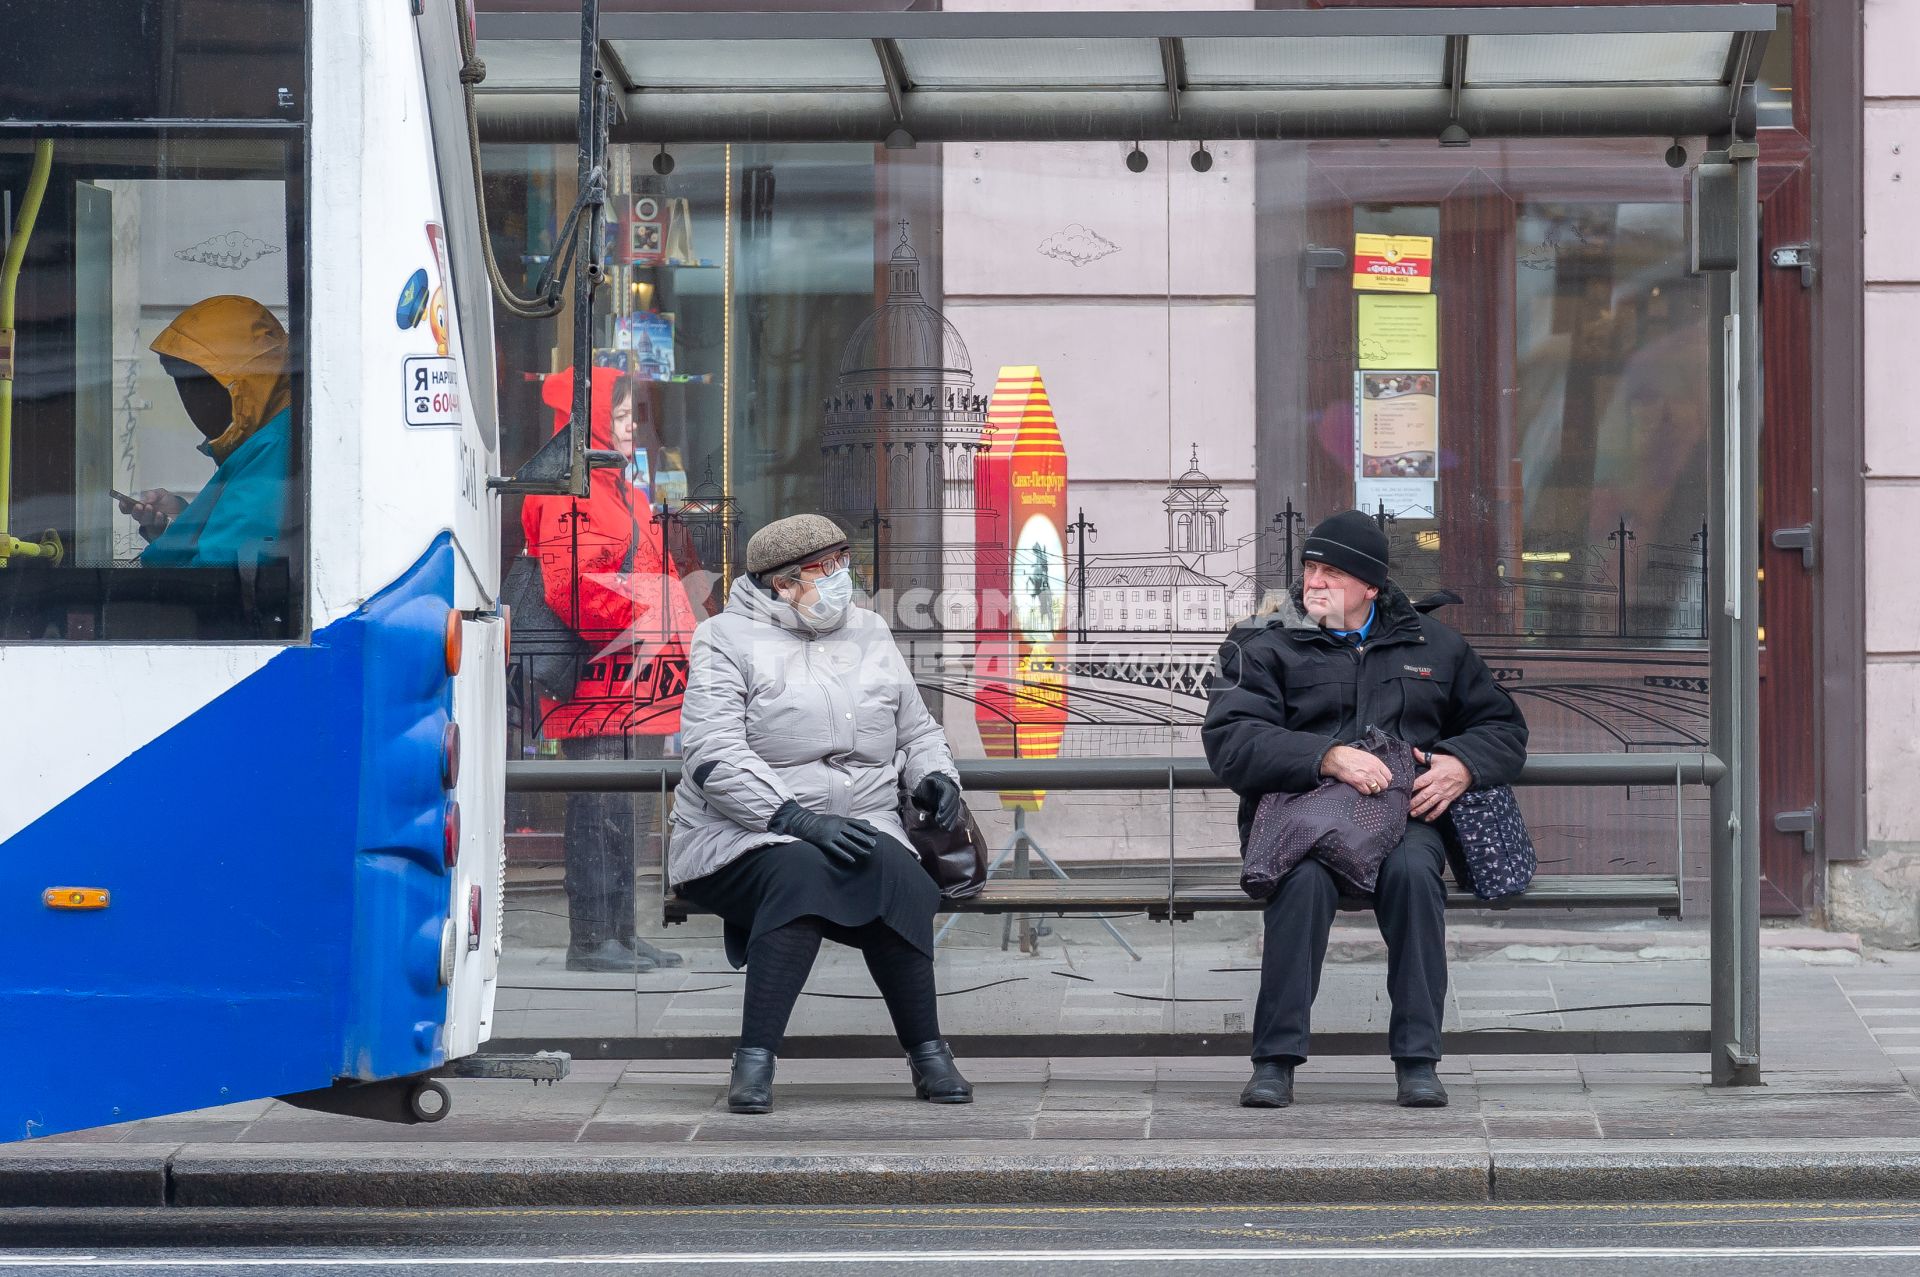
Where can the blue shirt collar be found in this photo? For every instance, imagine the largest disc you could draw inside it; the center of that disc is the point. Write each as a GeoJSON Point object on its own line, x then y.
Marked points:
{"type": "Point", "coordinates": [1360, 634]}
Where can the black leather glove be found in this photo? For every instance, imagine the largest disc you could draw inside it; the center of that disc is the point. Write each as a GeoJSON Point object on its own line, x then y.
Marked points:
{"type": "Point", "coordinates": [939, 797]}
{"type": "Point", "coordinates": [842, 838]}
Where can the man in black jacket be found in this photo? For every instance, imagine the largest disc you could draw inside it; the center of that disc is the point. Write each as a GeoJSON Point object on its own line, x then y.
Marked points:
{"type": "Point", "coordinates": [1295, 686]}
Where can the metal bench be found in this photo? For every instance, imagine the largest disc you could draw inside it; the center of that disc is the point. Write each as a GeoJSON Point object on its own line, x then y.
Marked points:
{"type": "Point", "coordinates": [1178, 890]}
{"type": "Point", "coordinates": [1183, 888]}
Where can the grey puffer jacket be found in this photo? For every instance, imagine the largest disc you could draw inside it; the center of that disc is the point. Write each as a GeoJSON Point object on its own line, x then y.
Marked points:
{"type": "Point", "coordinates": [776, 709]}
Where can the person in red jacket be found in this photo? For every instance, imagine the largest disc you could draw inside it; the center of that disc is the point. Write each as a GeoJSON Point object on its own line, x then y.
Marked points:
{"type": "Point", "coordinates": [602, 573]}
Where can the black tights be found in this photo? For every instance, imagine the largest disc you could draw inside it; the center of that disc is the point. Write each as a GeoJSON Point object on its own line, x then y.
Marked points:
{"type": "Point", "coordinates": [778, 962]}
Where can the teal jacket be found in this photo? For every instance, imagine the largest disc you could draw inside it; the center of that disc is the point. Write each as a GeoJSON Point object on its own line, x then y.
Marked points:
{"type": "Point", "coordinates": [241, 513]}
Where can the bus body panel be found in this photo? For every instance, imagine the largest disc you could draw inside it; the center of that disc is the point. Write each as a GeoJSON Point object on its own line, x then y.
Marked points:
{"type": "Point", "coordinates": [269, 819]}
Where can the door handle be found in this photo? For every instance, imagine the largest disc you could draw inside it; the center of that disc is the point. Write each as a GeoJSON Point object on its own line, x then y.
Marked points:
{"type": "Point", "coordinates": [1800, 538]}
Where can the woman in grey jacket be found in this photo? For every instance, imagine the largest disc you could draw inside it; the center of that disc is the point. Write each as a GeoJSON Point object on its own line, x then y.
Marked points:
{"type": "Point", "coordinates": [801, 724]}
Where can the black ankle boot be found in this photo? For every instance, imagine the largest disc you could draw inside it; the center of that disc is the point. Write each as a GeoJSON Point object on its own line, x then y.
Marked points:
{"type": "Point", "coordinates": [750, 1089]}
{"type": "Point", "coordinates": [935, 1076]}
{"type": "Point", "coordinates": [1419, 1085]}
{"type": "Point", "coordinates": [1270, 1087]}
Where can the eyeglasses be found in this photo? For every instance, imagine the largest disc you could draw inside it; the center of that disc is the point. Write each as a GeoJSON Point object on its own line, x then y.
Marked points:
{"type": "Point", "coordinates": [823, 567]}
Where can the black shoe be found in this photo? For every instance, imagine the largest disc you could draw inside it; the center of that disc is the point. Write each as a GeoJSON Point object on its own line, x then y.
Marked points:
{"type": "Point", "coordinates": [1270, 1087]}
{"type": "Point", "coordinates": [936, 1078]}
{"type": "Point", "coordinates": [608, 955]}
{"type": "Point", "coordinates": [750, 1089]}
{"type": "Point", "coordinates": [1419, 1085]}
{"type": "Point", "coordinates": [658, 956]}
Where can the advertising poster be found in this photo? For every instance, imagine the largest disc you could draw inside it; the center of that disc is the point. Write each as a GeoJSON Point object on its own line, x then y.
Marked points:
{"type": "Point", "coordinates": [1398, 330]}
{"type": "Point", "coordinates": [1022, 492]}
{"type": "Point", "coordinates": [1393, 263]}
{"type": "Point", "coordinates": [1397, 442]}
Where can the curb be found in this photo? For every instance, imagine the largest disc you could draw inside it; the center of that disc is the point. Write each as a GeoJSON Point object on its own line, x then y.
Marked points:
{"type": "Point", "coordinates": [1624, 1175]}
{"type": "Point", "coordinates": [206, 1178]}
{"type": "Point", "coordinates": [483, 1175]}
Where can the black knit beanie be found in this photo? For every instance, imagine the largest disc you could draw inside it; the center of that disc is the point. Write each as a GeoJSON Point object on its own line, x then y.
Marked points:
{"type": "Point", "coordinates": [1352, 542]}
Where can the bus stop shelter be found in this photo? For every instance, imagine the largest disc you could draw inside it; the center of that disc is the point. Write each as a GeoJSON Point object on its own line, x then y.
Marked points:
{"type": "Point", "coordinates": [1454, 76]}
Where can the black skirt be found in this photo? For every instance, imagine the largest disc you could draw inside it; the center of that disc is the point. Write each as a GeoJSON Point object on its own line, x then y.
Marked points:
{"type": "Point", "coordinates": [771, 886]}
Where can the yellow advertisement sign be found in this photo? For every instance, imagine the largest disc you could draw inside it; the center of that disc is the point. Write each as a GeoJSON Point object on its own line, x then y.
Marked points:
{"type": "Point", "coordinates": [1399, 331]}
{"type": "Point", "coordinates": [1393, 263]}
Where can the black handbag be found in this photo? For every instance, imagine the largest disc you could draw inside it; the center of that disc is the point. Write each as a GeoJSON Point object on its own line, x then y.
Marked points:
{"type": "Point", "coordinates": [956, 859]}
{"type": "Point", "coordinates": [549, 649]}
{"type": "Point", "coordinates": [544, 645]}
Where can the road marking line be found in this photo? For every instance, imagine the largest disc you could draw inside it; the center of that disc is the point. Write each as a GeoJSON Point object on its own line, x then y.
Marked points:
{"type": "Point", "coordinates": [681, 1259]}
{"type": "Point", "coordinates": [922, 1213]}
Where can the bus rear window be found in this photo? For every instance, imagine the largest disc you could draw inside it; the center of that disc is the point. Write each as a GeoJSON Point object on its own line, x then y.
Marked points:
{"type": "Point", "coordinates": [129, 60]}
{"type": "Point", "coordinates": [154, 430]}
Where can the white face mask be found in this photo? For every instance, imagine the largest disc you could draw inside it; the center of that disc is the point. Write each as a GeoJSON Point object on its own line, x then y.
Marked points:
{"type": "Point", "coordinates": [833, 594]}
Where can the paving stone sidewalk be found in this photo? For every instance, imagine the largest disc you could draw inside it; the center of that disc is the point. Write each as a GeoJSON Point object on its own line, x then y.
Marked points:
{"type": "Point", "coordinates": [1840, 1115]}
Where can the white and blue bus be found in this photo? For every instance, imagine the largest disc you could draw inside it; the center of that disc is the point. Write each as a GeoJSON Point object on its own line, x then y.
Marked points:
{"type": "Point", "coordinates": [242, 852]}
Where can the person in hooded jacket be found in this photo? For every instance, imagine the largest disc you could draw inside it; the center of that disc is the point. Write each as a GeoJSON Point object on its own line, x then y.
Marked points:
{"type": "Point", "coordinates": [227, 356]}
{"type": "Point", "coordinates": [602, 573]}
{"type": "Point", "coordinates": [1294, 689]}
{"type": "Point", "coordinates": [786, 820]}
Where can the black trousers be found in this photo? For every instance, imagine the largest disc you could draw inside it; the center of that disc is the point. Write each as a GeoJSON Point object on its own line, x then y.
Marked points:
{"type": "Point", "coordinates": [1410, 903]}
{"type": "Point", "coordinates": [601, 845]}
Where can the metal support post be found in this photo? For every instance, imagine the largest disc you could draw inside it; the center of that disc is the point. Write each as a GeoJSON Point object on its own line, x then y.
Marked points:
{"type": "Point", "coordinates": [1734, 614]}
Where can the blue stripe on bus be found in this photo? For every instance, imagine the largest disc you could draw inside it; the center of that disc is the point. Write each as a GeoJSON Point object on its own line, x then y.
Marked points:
{"type": "Point", "coordinates": [278, 891]}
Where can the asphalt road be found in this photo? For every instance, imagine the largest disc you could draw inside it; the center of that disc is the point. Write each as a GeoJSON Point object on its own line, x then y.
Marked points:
{"type": "Point", "coordinates": [1767, 1239]}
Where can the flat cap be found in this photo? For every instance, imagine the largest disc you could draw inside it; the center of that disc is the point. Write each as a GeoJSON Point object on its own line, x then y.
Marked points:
{"type": "Point", "coordinates": [791, 540]}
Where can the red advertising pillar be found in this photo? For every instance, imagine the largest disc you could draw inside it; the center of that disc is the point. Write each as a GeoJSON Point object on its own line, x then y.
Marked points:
{"type": "Point", "coordinates": [1021, 488]}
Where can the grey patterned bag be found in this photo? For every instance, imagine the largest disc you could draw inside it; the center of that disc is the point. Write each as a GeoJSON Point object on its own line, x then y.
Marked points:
{"type": "Point", "coordinates": [1350, 832]}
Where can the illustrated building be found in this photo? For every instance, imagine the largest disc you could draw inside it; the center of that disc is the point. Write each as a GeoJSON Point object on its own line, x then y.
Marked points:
{"type": "Point", "coordinates": [904, 429]}
{"type": "Point", "coordinates": [1196, 512]}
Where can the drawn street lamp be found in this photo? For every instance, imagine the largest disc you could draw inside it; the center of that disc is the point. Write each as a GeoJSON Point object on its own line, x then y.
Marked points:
{"type": "Point", "coordinates": [664, 517]}
{"type": "Point", "coordinates": [1620, 536]}
{"type": "Point", "coordinates": [1288, 519]}
{"type": "Point", "coordinates": [1703, 538]}
{"type": "Point", "coordinates": [874, 523]}
{"type": "Point", "coordinates": [1082, 532]}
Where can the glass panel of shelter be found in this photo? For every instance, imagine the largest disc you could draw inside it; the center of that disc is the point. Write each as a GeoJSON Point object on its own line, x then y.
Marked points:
{"type": "Point", "coordinates": [1528, 420]}
{"type": "Point", "coordinates": [927, 347]}
{"type": "Point", "coordinates": [853, 331]}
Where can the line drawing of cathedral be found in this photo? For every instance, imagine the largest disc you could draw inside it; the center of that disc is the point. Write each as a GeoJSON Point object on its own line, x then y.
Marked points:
{"type": "Point", "coordinates": [904, 432]}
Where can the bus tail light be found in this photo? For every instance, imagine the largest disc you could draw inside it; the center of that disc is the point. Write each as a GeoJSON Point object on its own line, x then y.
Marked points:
{"type": "Point", "coordinates": [450, 756]}
{"type": "Point", "coordinates": [455, 637]}
{"type": "Point", "coordinates": [450, 833]}
{"type": "Point", "coordinates": [506, 633]}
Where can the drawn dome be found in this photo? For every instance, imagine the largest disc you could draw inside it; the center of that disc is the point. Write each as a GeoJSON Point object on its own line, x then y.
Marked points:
{"type": "Point", "coordinates": [906, 334]}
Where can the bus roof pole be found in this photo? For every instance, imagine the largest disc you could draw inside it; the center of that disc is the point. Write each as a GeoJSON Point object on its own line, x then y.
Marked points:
{"type": "Point", "coordinates": [10, 546]}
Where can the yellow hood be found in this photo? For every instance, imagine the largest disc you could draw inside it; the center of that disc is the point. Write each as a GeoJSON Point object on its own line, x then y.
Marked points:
{"type": "Point", "coordinates": [243, 347]}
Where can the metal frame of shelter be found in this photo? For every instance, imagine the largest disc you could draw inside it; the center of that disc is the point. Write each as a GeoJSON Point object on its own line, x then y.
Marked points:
{"type": "Point", "coordinates": [1453, 75]}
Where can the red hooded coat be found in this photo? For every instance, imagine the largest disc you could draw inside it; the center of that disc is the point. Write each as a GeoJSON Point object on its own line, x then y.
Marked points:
{"type": "Point", "coordinates": [636, 667]}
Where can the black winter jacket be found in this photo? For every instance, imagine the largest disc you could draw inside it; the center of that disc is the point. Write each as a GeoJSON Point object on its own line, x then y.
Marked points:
{"type": "Point", "coordinates": [1287, 691]}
